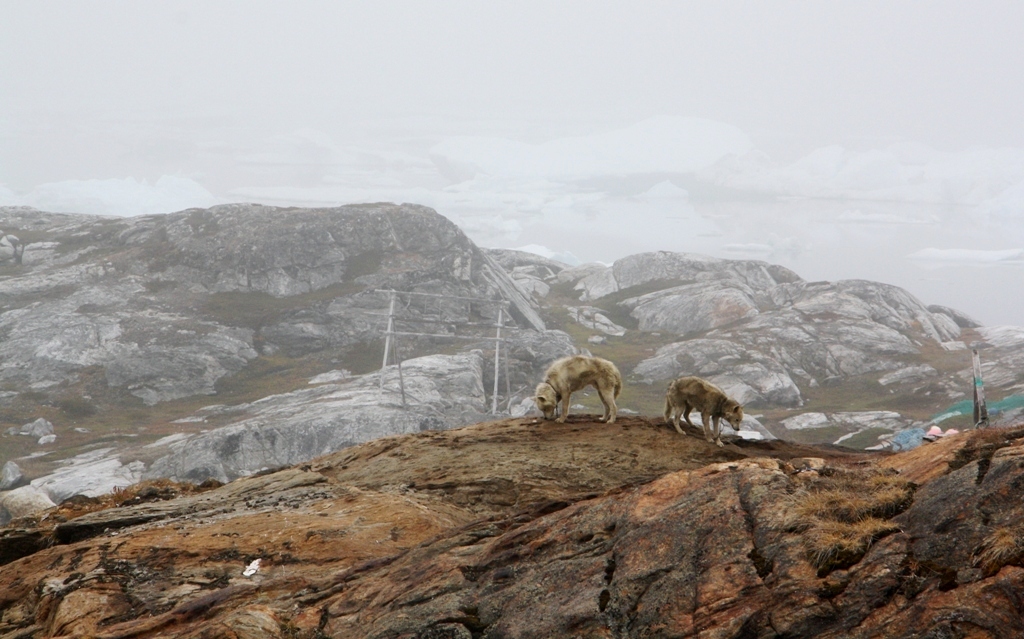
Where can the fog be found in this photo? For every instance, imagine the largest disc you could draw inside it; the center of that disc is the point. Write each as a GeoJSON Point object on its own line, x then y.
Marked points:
{"type": "Point", "coordinates": [875, 140]}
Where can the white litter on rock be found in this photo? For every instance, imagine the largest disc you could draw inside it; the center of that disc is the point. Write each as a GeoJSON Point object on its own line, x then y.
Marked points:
{"type": "Point", "coordinates": [252, 568]}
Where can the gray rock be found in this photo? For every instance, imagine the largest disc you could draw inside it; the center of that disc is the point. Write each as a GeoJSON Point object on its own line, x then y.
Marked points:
{"type": "Point", "coordinates": [908, 374]}
{"type": "Point", "coordinates": [806, 421]}
{"type": "Point", "coordinates": [11, 477]}
{"type": "Point", "coordinates": [691, 309]}
{"type": "Point", "coordinates": [23, 502]}
{"type": "Point", "coordinates": [963, 320]}
{"type": "Point", "coordinates": [746, 375]}
{"type": "Point", "coordinates": [39, 428]}
{"type": "Point", "coordinates": [11, 248]}
{"type": "Point", "coordinates": [94, 473]}
{"type": "Point", "coordinates": [442, 391]}
{"type": "Point", "coordinates": [538, 266]}
{"type": "Point", "coordinates": [636, 270]}
{"type": "Point", "coordinates": [859, 420]}
{"type": "Point", "coordinates": [593, 318]}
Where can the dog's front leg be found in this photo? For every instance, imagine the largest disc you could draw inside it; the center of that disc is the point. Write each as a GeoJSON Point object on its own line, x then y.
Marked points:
{"type": "Point", "coordinates": [565, 408]}
{"type": "Point", "coordinates": [706, 421]}
{"type": "Point", "coordinates": [718, 431]}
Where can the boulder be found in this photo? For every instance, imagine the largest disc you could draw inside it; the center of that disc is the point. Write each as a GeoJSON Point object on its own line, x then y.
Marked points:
{"type": "Point", "coordinates": [39, 428]}
{"type": "Point", "coordinates": [907, 375]}
{"type": "Point", "coordinates": [592, 318]}
{"type": "Point", "coordinates": [23, 502]}
{"type": "Point", "coordinates": [11, 477]}
{"type": "Point", "coordinates": [963, 320]}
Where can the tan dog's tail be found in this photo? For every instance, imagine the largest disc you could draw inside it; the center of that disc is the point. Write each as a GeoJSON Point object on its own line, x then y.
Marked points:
{"type": "Point", "coordinates": [618, 387]}
{"type": "Point", "coordinates": [668, 408]}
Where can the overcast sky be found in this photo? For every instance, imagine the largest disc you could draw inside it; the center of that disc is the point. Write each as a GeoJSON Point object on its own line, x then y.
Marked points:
{"type": "Point", "coordinates": [793, 75]}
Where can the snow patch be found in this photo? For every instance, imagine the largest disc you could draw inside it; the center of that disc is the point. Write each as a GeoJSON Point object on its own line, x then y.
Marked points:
{"type": "Point", "coordinates": [119, 197]}
{"type": "Point", "coordinates": [967, 256]}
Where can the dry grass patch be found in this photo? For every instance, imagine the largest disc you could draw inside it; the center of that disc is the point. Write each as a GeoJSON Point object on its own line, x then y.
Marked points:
{"type": "Point", "coordinates": [840, 544]}
{"type": "Point", "coordinates": [1005, 546]}
{"type": "Point", "coordinates": [841, 512]}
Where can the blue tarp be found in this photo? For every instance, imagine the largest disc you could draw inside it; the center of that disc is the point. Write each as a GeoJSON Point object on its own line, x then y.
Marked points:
{"type": "Point", "coordinates": [966, 407]}
{"type": "Point", "coordinates": [907, 439]}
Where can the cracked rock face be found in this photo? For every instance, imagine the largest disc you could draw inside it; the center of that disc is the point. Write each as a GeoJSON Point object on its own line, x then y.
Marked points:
{"type": "Point", "coordinates": [442, 391]}
{"type": "Point", "coordinates": [168, 305]}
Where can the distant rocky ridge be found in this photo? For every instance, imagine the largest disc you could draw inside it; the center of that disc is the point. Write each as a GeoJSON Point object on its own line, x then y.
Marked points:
{"type": "Point", "coordinates": [154, 300]}
{"type": "Point", "coordinates": [756, 328]}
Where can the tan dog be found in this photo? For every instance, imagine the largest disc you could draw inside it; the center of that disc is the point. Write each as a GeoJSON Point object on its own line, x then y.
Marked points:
{"type": "Point", "coordinates": [570, 374]}
{"type": "Point", "coordinates": [687, 393]}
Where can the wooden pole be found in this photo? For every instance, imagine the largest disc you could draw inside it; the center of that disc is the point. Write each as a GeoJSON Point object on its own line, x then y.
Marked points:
{"type": "Point", "coordinates": [401, 380]}
{"type": "Point", "coordinates": [980, 409]}
{"type": "Point", "coordinates": [497, 356]}
{"type": "Point", "coordinates": [387, 339]}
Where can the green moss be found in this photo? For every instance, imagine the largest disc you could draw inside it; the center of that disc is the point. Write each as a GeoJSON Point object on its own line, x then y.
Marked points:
{"type": "Point", "coordinates": [254, 309]}
{"type": "Point", "coordinates": [366, 263]}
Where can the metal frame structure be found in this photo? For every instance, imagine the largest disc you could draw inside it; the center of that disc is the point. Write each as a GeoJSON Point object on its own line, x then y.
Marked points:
{"type": "Point", "coordinates": [391, 335]}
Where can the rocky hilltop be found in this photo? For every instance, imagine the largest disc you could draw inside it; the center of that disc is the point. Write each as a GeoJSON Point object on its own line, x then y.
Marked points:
{"type": "Point", "coordinates": [525, 529]}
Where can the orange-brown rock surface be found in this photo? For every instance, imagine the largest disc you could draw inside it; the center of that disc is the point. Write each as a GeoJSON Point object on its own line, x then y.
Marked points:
{"type": "Point", "coordinates": [526, 529]}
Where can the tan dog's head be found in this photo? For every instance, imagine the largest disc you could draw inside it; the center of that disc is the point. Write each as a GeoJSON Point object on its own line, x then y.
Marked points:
{"type": "Point", "coordinates": [733, 413]}
{"type": "Point", "coordinates": [546, 399]}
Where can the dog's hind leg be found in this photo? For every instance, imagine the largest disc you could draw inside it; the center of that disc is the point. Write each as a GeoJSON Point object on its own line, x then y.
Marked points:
{"type": "Point", "coordinates": [607, 396]}
{"type": "Point", "coordinates": [675, 419]}
{"type": "Point", "coordinates": [687, 407]}
{"type": "Point", "coordinates": [672, 416]}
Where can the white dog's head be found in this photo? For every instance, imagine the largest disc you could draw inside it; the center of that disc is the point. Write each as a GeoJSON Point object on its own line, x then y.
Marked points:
{"type": "Point", "coordinates": [546, 399]}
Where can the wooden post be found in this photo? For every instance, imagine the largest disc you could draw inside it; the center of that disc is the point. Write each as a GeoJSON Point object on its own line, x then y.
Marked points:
{"type": "Point", "coordinates": [387, 339]}
{"type": "Point", "coordinates": [980, 409]}
{"type": "Point", "coordinates": [401, 380]}
{"type": "Point", "coordinates": [497, 356]}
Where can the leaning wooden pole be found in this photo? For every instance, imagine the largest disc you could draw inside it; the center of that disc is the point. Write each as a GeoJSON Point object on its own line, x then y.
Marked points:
{"type": "Point", "coordinates": [980, 409]}
{"type": "Point", "coordinates": [497, 358]}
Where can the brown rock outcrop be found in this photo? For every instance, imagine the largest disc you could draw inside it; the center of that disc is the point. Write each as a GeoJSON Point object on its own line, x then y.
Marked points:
{"type": "Point", "coordinates": [526, 529]}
